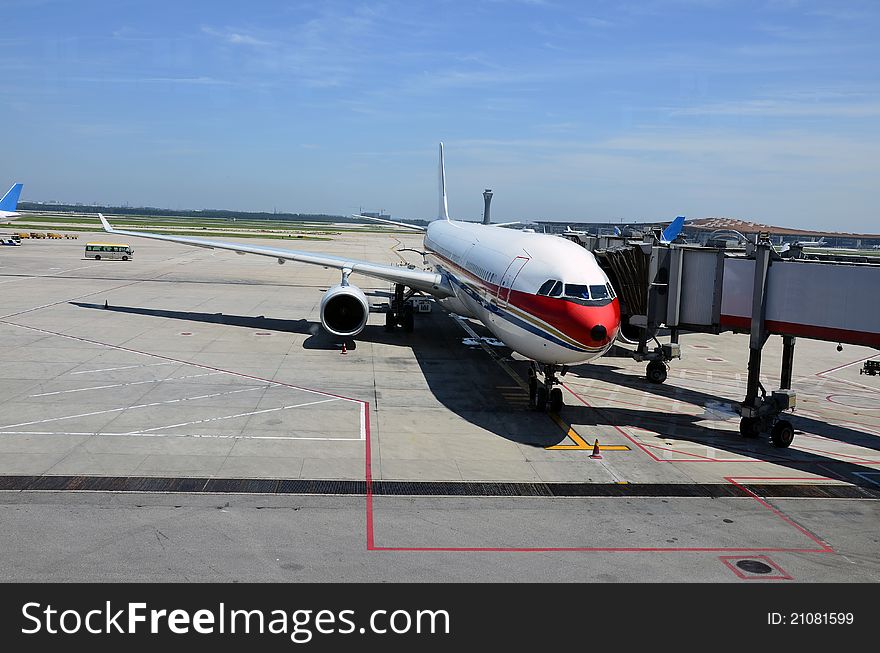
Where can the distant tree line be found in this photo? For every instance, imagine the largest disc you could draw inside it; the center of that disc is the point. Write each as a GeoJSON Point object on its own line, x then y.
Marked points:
{"type": "Point", "coordinates": [218, 214]}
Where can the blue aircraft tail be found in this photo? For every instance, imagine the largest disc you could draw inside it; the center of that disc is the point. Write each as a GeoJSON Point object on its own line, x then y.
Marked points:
{"type": "Point", "coordinates": [10, 200]}
{"type": "Point", "coordinates": [671, 232]}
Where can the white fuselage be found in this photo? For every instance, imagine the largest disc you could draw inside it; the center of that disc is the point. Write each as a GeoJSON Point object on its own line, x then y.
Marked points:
{"type": "Point", "coordinates": [502, 277]}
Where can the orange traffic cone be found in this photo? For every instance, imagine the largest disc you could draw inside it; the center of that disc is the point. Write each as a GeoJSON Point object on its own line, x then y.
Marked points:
{"type": "Point", "coordinates": [344, 351]}
{"type": "Point", "coordinates": [596, 453]}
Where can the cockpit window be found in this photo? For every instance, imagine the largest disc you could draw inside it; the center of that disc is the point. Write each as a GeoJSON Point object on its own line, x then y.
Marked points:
{"type": "Point", "coordinates": [577, 291]}
{"type": "Point", "coordinates": [557, 289]}
{"type": "Point", "coordinates": [610, 291]}
{"type": "Point", "coordinates": [547, 287]}
{"type": "Point", "coordinates": [599, 292]}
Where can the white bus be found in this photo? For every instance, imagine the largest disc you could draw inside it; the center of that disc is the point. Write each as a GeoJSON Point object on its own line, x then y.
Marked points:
{"type": "Point", "coordinates": [108, 251]}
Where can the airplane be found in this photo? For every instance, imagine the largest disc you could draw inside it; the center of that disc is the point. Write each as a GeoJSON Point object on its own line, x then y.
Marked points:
{"type": "Point", "coordinates": [667, 235]}
{"type": "Point", "coordinates": [671, 232]}
{"type": "Point", "coordinates": [811, 243]}
{"type": "Point", "coordinates": [9, 203]}
{"type": "Point", "coordinates": [543, 296]}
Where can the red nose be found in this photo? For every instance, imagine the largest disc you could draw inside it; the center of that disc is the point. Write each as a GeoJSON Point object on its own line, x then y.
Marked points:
{"type": "Point", "coordinates": [600, 322]}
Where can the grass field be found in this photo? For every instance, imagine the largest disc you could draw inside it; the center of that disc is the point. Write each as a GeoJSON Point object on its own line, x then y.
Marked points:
{"type": "Point", "coordinates": [208, 227]}
{"type": "Point", "coordinates": [153, 223]}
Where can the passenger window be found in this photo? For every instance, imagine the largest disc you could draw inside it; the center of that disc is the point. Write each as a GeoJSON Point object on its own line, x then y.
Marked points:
{"type": "Point", "coordinates": [547, 287]}
{"type": "Point", "coordinates": [599, 292]}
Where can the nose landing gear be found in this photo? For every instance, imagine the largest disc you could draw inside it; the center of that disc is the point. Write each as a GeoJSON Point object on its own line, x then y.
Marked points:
{"type": "Point", "coordinates": [542, 395]}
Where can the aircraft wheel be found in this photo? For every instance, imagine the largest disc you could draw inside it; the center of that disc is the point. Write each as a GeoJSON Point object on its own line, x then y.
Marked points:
{"type": "Point", "coordinates": [541, 399]}
{"type": "Point", "coordinates": [656, 372]}
{"type": "Point", "coordinates": [556, 400]}
{"type": "Point", "coordinates": [782, 434]}
{"type": "Point", "coordinates": [750, 427]}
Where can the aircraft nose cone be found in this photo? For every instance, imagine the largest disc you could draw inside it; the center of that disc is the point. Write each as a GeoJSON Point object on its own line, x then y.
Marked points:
{"type": "Point", "coordinates": [598, 333]}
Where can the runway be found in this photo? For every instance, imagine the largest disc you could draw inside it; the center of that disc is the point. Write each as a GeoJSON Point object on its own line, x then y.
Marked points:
{"type": "Point", "coordinates": [201, 380]}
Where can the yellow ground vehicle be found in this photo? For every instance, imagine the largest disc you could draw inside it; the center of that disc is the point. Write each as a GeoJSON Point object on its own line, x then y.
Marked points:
{"type": "Point", "coordinates": [37, 234]}
{"type": "Point", "coordinates": [109, 251]}
{"type": "Point", "coordinates": [23, 234]}
{"type": "Point", "coordinates": [53, 235]}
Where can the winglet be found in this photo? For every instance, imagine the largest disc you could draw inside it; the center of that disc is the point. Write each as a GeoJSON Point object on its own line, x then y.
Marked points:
{"type": "Point", "coordinates": [106, 224]}
{"type": "Point", "coordinates": [444, 209]}
{"type": "Point", "coordinates": [671, 232]}
{"type": "Point", "coordinates": [10, 199]}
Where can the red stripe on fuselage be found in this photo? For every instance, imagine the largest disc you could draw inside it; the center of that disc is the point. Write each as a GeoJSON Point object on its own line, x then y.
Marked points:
{"type": "Point", "coordinates": [570, 318]}
{"type": "Point", "coordinates": [573, 319]}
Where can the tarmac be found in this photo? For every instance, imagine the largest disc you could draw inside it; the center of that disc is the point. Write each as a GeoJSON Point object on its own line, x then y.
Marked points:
{"type": "Point", "coordinates": [181, 416]}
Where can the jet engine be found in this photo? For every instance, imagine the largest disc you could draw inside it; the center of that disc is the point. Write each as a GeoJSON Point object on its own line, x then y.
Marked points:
{"type": "Point", "coordinates": [344, 310]}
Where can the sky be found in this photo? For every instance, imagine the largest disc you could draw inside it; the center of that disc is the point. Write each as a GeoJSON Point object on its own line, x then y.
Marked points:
{"type": "Point", "coordinates": [617, 110]}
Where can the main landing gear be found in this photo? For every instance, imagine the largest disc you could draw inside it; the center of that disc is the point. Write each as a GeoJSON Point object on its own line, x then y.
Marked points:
{"type": "Point", "coordinates": [400, 311]}
{"type": "Point", "coordinates": [542, 395]}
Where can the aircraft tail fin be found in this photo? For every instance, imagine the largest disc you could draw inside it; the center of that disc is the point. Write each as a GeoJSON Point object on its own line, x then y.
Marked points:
{"type": "Point", "coordinates": [10, 200]}
{"type": "Point", "coordinates": [444, 209]}
{"type": "Point", "coordinates": [671, 232]}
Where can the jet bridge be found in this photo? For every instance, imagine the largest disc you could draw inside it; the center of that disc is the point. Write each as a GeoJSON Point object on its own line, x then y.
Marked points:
{"type": "Point", "coordinates": [756, 291]}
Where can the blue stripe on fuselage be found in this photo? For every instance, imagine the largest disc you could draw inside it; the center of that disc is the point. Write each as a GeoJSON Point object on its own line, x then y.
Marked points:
{"type": "Point", "coordinates": [510, 317]}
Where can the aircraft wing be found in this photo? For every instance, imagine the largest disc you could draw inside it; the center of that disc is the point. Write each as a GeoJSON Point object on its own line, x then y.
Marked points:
{"type": "Point", "coordinates": [391, 222]}
{"type": "Point", "coordinates": [429, 282]}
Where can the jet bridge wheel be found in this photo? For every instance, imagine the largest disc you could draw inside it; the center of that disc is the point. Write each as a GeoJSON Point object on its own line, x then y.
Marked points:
{"type": "Point", "coordinates": [750, 427]}
{"type": "Point", "coordinates": [782, 433]}
{"type": "Point", "coordinates": [656, 372]}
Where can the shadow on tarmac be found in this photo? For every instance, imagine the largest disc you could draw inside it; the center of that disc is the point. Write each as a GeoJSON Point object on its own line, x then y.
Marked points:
{"type": "Point", "coordinates": [470, 384]}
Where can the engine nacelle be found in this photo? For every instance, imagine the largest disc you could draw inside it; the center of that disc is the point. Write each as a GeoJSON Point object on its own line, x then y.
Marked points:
{"type": "Point", "coordinates": [344, 310]}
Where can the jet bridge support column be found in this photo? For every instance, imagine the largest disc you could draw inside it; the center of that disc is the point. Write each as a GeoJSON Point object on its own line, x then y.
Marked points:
{"type": "Point", "coordinates": [658, 300]}
{"type": "Point", "coordinates": [787, 362]}
{"type": "Point", "coordinates": [760, 413]}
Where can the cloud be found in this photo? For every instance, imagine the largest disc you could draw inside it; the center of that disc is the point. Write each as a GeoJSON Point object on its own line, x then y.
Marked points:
{"type": "Point", "coordinates": [782, 109]}
{"type": "Point", "coordinates": [194, 81]}
{"type": "Point", "coordinates": [234, 37]}
{"type": "Point", "coordinates": [594, 21]}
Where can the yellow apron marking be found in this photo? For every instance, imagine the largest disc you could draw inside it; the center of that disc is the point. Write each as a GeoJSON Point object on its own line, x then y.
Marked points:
{"type": "Point", "coordinates": [579, 443]}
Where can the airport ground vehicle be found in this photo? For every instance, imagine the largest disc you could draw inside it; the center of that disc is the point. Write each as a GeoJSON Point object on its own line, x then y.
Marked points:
{"type": "Point", "coordinates": [109, 251]}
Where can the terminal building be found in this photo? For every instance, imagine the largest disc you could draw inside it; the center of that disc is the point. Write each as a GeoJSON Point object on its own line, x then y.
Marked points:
{"type": "Point", "coordinates": [718, 232]}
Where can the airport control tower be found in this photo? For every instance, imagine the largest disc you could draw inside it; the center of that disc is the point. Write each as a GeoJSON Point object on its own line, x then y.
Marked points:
{"type": "Point", "coordinates": [487, 198]}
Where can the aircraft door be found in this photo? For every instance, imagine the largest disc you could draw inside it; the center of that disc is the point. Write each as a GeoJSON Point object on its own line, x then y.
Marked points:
{"type": "Point", "coordinates": [507, 279]}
